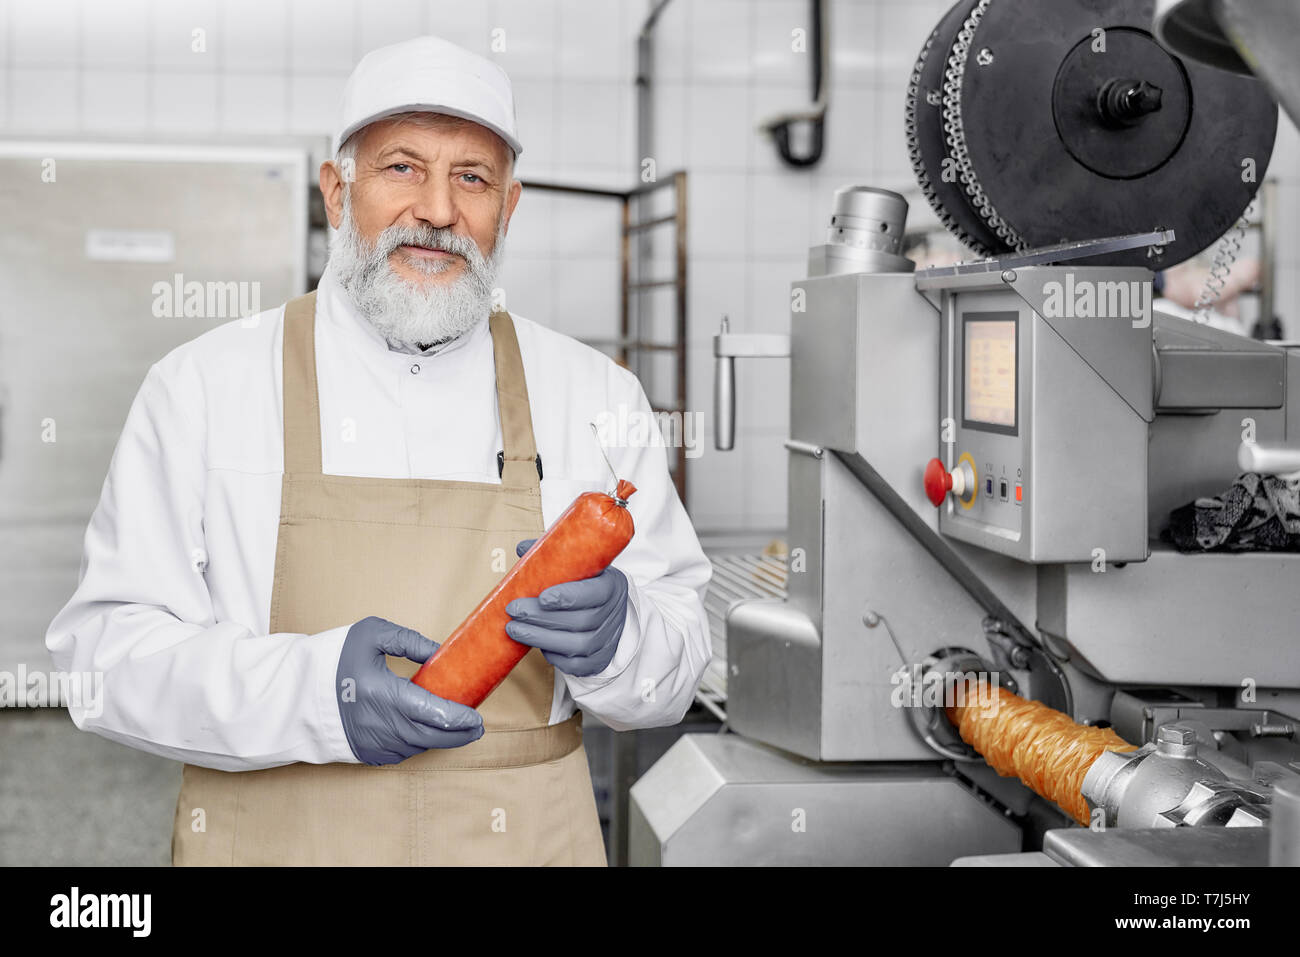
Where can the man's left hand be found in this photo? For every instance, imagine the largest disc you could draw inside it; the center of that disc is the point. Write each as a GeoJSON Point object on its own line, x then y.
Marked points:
{"type": "Point", "coordinates": [576, 624]}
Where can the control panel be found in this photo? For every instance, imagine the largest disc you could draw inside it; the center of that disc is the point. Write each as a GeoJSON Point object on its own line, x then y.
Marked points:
{"type": "Point", "coordinates": [988, 419]}
{"type": "Point", "coordinates": [1042, 446]}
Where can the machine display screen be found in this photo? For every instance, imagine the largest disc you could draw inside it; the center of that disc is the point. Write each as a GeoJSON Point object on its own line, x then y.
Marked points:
{"type": "Point", "coordinates": [990, 395]}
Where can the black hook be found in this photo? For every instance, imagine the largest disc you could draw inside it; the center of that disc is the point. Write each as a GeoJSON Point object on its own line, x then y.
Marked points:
{"type": "Point", "coordinates": [781, 132]}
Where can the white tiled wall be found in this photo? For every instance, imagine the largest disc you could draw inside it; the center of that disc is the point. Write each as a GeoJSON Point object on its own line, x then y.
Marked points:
{"type": "Point", "coordinates": [752, 219]}
{"type": "Point", "coordinates": [276, 67]}
{"type": "Point", "coordinates": [723, 67]}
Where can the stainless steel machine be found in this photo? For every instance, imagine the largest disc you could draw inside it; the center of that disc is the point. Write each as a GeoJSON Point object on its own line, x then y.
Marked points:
{"type": "Point", "coordinates": [983, 460]}
{"type": "Point", "coordinates": [112, 254]}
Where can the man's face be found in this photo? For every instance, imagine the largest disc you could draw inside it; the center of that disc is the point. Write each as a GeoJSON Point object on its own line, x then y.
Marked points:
{"type": "Point", "coordinates": [411, 174]}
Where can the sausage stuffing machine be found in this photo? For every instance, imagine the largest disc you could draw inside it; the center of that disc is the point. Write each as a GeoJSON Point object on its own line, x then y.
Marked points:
{"type": "Point", "coordinates": [983, 462]}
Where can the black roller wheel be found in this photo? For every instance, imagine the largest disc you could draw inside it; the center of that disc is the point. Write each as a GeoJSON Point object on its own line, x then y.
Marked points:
{"type": "Point", "coordinates": [1079, 125]}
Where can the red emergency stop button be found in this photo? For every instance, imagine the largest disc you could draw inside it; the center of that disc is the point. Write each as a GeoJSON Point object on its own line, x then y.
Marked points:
{"type": "Point", "coordinates": [939, 482]}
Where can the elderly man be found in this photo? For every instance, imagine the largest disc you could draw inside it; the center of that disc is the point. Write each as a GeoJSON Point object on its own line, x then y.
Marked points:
{"type": "Point", "coordinates": [302, 504]}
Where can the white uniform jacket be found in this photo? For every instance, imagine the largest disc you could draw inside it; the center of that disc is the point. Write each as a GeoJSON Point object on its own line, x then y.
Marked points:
{"type": "Point", "coordinates": [173, 601]}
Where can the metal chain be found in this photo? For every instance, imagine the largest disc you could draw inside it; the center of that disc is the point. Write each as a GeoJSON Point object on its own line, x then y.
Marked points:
{"type": "Point", "coordinates": [1225, 254]}
{"type": "Point", "coordinates": [956, 132]}
{"type": "Point", "coordinates": [917, 159]}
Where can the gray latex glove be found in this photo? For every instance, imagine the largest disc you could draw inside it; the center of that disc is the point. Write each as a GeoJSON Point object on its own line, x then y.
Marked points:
{"type": "Point", "coordinates": [388, 718]}
{"type": "Point", "coordinates": [577, 624]}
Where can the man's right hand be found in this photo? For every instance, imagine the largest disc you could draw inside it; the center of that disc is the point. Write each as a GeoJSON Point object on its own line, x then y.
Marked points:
{"type": "Point", "coordinates": [387, 718]}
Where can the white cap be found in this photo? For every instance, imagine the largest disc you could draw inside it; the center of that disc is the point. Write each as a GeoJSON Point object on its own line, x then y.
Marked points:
{"type": "Point", "coordinates": [431, 75]}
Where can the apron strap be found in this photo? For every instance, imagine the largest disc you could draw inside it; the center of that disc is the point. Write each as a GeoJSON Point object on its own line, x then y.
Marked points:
{"type": "Point", "coordinates": [521, 467]}
{"type": "Point", "coordinates": [302, 444]}
{"type": "Point", "coordinates": [302, 453]}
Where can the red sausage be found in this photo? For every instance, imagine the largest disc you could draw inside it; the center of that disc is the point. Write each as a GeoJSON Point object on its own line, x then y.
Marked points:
{"type": "Point", "coordinates": [580, 544]}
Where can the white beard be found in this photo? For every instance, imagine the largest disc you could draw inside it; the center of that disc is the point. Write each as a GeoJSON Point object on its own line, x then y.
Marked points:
{"type": "Point", "coordinates": [411, 316]}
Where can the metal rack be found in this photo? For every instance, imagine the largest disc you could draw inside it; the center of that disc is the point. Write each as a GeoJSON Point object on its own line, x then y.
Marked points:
{"type": "Point", "coordinates": [736, 577]}
{"type": "Point", "coordinates": [631, 345]}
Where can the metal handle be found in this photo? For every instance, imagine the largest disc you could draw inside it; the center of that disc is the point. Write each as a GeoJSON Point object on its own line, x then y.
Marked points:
{"type": "Point", "coordinates": [724, 403]}
{"type": "Point", "coordinates": [727, 346]}
{"type": "Point", "coordinates": [1276, 460]}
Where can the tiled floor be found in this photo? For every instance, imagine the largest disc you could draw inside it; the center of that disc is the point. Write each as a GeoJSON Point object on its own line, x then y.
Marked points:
{"type": "Point", "coordinates": [71, 798]}
{"type": "Point", "coordinates": [68, 797]}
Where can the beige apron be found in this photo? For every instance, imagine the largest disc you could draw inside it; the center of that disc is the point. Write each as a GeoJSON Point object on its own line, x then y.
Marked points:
{"type": "Point", "coordinates": [421, 553]}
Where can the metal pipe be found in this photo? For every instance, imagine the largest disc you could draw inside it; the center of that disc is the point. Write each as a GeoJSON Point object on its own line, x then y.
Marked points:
{"type": "Point", "coordinates": [679, 191]}
{"type": "Point", "coordinates": [1284, 839]}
